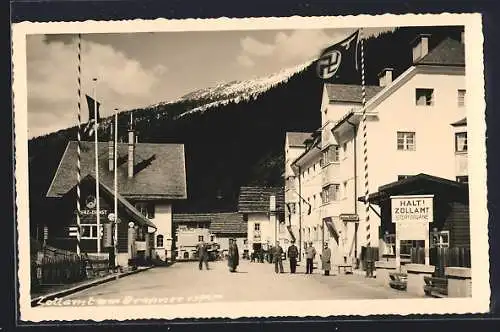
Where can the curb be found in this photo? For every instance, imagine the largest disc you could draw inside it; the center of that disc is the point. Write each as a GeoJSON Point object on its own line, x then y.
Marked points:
{"type": "Point", "coordinates": [37, 301]}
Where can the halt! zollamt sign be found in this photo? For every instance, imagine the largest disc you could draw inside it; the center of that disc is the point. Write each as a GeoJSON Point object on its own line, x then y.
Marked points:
{"type": "Point", "coordinates": [412, 209]}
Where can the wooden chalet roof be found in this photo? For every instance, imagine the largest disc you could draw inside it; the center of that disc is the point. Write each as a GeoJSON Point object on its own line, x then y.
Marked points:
{"type": "Point", "coordinates": [220, 223]}
{"type": "Point", "coordinates": [447, 53]}
{"type": "Point", "coordinates": [159, 170]}
{"type": "Point", "coordinates": [256, 199]}
{"type": "Point", "coordinates": [350, 93]}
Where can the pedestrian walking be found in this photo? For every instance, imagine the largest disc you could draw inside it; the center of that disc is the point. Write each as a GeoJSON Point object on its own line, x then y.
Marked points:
{"type": "Point", "coordinates": [325, 256]}
{"type": "Point", "coordinates": [310, 255]}
{"type": "Point", "coordinates": [293, 253]}
{"type": "Point", "coordinates": [202, 255]}
{"type": "Point", "coordinates": [369, 261]}
{"type": "Point", "coordinates": [233, 257]}
{"type": "Point", "coordinates": [277, 258]}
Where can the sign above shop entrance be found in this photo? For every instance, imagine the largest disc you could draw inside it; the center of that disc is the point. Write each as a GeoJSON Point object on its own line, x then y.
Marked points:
{"type": "Point", "coordinates": [416, 208]}
{"type": "Point", "coordinates": [349, 217]}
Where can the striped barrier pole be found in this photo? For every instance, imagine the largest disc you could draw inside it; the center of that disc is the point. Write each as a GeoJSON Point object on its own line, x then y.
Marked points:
{"type": "Point", "coordinates": [78, 148]}
{"type": "Point", "coordinates": [365, 141]}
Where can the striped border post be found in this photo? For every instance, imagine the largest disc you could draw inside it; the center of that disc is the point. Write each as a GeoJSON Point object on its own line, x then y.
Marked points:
{"type": "Point", "coordinates": [78, 149]}
{"type": "Point", "coordinates": [365, 140]}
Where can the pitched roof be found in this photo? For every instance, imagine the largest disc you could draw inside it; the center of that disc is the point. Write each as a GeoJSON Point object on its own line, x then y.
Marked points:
{"type": "Point", "coordinates": [220, 223]}
{"type": "Point", "coordinates": [159, 170]}
{"type": "Point", "coordinates": [256, 199]}
{"type": "Point", "coordinates": [228, 223]}
{"type": "Point", "coordinates": [447, 53]}
{"type": "Point", "coordinates": [462, 122]}
{"type": "Point", "coordinates": [296, 139]}
{"type": "Point", "coordinates": [350, 93]}
{"type": "Point", "coordinates": [123, 203]}
{"type": "Point", "coordinates": [419, 184]}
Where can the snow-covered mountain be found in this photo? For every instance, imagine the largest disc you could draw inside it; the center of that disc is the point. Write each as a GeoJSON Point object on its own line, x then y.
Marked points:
{"type": "Point", "coordinates": [235, 91]}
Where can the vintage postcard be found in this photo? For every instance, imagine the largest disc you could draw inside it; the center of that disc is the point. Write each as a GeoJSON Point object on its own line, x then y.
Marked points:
{"type": "Point", "coordinates": [264, 167]}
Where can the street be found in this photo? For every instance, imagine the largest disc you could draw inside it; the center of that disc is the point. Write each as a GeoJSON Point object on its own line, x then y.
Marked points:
{"type": "Point", "coordinates": [252, 282]}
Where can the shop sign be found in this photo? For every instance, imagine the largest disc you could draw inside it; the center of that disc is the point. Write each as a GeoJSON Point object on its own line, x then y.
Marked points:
{"type": "Point", "coordinates": [349, 217]}
{"type": "Point", "coordinates": [140, 245]}
{"type": "Point", "coordinates": [415, 208]}
{"type": "Point", "coordinates": [94, 212]}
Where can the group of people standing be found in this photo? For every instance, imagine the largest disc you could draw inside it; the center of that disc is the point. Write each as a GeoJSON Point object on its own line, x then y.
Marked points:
{"type": "Point", "coordinates": [277, 257]}
{"type": "Point", "coordinates": [325, 257]}
{"type": "Point", "coordinates": [233, 256]}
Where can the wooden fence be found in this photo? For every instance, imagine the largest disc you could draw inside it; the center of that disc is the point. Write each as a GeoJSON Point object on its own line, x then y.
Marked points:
{"type": "Point", "coordinates": [442, 257]}
{"type": "Point", "coordinates": [53, 266]}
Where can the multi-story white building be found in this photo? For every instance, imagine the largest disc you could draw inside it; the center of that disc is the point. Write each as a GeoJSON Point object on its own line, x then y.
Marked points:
{"type": "Point", "coordinates": [415, 125]}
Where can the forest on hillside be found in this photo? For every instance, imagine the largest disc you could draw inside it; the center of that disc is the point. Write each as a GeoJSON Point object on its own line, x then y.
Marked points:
{"type": "Point", "coordinates": [232, 145]}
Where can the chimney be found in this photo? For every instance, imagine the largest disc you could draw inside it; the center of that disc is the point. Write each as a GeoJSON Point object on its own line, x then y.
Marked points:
{"type": "Point", "coordinates": [131, 148]}
{"type": "Point", "coordinates": [385, 77]}
{"type": "Point", "coordinates": [111, 150]}
{"type": "Point", "coordinates": [420, 46]}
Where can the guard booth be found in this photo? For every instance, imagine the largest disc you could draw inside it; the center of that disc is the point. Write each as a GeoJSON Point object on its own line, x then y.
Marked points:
{"type": "Point", "coordinates": [421, 217]}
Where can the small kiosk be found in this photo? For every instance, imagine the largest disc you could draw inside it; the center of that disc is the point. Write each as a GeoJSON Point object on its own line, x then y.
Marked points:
{"type": "Point", "coordinates": [425, 227]}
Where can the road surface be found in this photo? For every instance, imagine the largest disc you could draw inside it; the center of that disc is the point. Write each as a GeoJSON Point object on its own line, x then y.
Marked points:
{"type": "Point", "coordinates": [184, 282]}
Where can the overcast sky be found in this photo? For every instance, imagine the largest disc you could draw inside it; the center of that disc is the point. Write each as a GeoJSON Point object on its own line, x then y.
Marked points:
{"type": "Point", "coordinates": [141, 69]}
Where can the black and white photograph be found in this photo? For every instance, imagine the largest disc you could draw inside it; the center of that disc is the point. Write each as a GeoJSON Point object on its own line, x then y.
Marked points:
{"type": "Point", "coordinates": [226, 168]}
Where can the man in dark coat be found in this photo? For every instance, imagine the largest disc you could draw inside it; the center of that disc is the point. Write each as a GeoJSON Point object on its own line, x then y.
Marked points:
{"type": "Point", "coordinates": [277, 258]}
{"type": "Point", "coordinates": [233, 257]}
{"type": "Point", "coordinates": [202, 255]}
{"type": "Point", "coordinates": [293, 253]}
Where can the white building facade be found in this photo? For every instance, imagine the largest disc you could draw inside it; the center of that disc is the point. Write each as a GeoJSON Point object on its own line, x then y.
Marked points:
{"type": "Point", "coordinates": [415, 124]}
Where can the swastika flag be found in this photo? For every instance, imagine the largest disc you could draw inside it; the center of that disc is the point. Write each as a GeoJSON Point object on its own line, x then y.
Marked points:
{"type": "Point", "coordinates": [339, 61]}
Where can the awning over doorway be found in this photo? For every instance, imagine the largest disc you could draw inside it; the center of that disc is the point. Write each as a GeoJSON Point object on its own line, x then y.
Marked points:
{"type": "Point", "coordinates": [124, 206]}
{"type": "Point", "coordinates": [331, 229]}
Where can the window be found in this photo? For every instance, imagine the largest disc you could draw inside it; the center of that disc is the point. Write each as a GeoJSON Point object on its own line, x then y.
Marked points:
{"type": "Point", "coordinates": [330, 155]}
{"type": "Point", "coordinates": [89, 231]}
{"type": "Point", "coordinates": [256, 227]}
{"type": "Point", "coordinates": [461, 142]}
{"type": "Point", "coordinates": [140, 235]}
{"type": "Point", "coordinates": [344, 150]}
{"type": "Point", "coordinates": [463, 179]}
{"type": "Point", "coordinates": [146, 209]}
{"type": "Point", "coordinates": [424, 97]}
{"type": "Point", "coordinates": [402, 177]}
{"type": "Point", "coordinates": [330, 193]}
{"type": "Point", "coordinates": [200, 238]}
{"type": "Point", "coordinates": [212, 237]}
{"type": "Point", "coordinates": [440, 239]}
{"type": "Point", "coordinates": [314, 200]}
{"type": "Point", "coordinates": [159, 241]}
{"type": "Point", "coordinates": [406, 141]}
{"type": "Point", "coordinates": [390, 244]}
{"type": "Point", "coordinates": [461, 98]}
{"type": "Point", "coordinates": [406, 246]}
{"type": "Point", "coordinates": [344, 189]}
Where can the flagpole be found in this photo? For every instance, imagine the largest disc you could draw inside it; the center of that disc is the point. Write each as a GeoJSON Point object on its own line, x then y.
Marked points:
{"type": "Point", "coordinates": [365, 142]}
{"type": "Point", "coordinates": [98, 210]}
{"type": "Point", "coordinates": [115, 154]}
{"type": "Point", "coordinates": [78, 147]}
